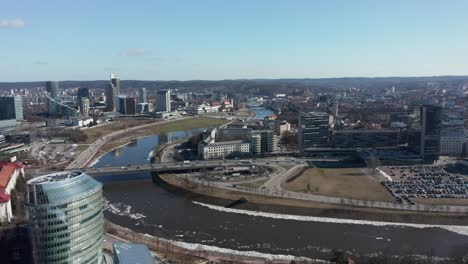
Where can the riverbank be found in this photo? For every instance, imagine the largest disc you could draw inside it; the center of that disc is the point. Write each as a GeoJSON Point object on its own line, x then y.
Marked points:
{"type": "Point", "coordinates": [216, 196]}
{"type": "Point", "coordinates": [154, 129]}
{"type": "Point", "coordinates": [181, 252]}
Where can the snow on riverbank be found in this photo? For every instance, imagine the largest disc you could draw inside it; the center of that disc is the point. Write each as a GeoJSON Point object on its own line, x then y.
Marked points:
{"type": "Point", "coordinates": [385, 174]}
{"type": "Point", "coordinates": [232, 252]}
{"type": "Point", "coordinates": [462, 230]}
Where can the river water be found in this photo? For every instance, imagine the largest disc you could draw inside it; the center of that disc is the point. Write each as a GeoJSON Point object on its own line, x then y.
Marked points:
{"type": "Point", "coordinates": [260, 111]}
{"type": "Point", "coordinates": [138, 150]}
{"type": "Point", "coordinates": [135, 202]}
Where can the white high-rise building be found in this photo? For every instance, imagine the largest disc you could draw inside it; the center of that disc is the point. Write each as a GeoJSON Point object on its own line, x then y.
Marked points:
{"type": "Point", "coordinates": [143, 95]}
{"type": "Point", "coordinates": [163, 101]}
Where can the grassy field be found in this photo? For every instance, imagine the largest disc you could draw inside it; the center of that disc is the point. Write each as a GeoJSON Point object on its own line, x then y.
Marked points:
{"type": "Point", "coordinates": [346, 182]}
{"type": "Point", "coordinates": [95, 133]}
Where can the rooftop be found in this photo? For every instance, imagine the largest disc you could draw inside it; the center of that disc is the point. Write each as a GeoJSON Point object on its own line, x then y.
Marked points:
{"type": "Point", "coordinates": [55, 177]}
{"type": "Point", "coordinates": [128, 253]}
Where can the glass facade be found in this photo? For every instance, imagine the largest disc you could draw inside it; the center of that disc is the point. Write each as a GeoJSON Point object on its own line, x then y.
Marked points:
{"type": "Point", "coordinates": [65, 221]}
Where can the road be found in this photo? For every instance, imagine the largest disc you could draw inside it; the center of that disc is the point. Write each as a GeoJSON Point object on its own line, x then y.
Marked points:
{"type": "Point", "coordinates": [83, 159]}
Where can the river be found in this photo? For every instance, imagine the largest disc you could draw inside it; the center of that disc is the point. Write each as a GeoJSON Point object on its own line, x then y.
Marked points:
{"type": "Point", "coordinates": [259, 111]}
{"type": "Point", "coordinates": [134, 201]}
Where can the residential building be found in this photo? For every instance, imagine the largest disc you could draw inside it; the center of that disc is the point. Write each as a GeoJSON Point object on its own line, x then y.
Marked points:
{"type": "Point", "coordinates": [313, 130]}
{"type": "Point", "coordinates": [9, 173]}
{"type": "Point", "coordinates": [66, 208]}
{"type": "Point", "coordinates": [84, 107]}
{"type": "Point", "coordinates": [163, 101]}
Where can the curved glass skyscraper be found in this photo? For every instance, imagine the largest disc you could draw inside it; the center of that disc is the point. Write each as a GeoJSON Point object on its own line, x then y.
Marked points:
{"type": "Point", "coordinates": [65, 220]}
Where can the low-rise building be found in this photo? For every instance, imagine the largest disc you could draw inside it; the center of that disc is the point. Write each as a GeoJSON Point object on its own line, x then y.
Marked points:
{"type": "Point", "coordinates": [129, 253]}
{"type": "Point", "coordinates": [9, 173]}
{"type": "Point", "coordinates": [223, 143]}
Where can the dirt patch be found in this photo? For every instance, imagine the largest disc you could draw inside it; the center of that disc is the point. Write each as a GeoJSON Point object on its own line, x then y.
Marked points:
{"type": "Point", "coordinates": [354, 183]}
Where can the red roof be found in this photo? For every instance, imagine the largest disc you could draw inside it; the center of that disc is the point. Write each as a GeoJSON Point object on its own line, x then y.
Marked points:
{"type": "Point", "coordinates": [5, 175]}
{"type": "Point", "coordinates": [4, 198]}
{"type": "Point", "coordinates": [17, 165]}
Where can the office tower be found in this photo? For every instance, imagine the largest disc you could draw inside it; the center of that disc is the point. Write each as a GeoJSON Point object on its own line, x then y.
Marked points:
{"type": "Point", "coordinates": [11, 107]}
{"type": "Point", "coordinates": [163, 101]}
{"type": "Point", "coordinates": [110, 97]}
{"type": "Point", "coordinates": [424, 136]}
{"type": "Point", "coordinates": [143, 96]}
{"type": "Point", "coordinates": [11, 111]}
{"type": "Point", "coordinates": [127, 105]}
{"type": "Point", "coordinates": [84, 107]}
{"type": "Point", "coordinates": [313, 130]}
{"type": "Point", "coordinates": [115, 80]}
{"type": "Point", "coordinates": [52, 88]}
{"type": "Point", "coordinates": [65, 222]}
{"type": "Point", "coordinates": [82, 93]}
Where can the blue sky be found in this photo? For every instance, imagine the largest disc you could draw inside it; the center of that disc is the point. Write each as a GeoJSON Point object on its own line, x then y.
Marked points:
{"type": "Point", "coordinates": [220, 39]}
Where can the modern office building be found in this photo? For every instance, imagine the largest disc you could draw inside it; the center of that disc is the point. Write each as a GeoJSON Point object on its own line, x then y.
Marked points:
{"type": "Point", "coordinates": [163, 101]}
{"type": "Point", "coordinates": [313, 130]}
{"type": "Point", "coordinates": [424, 136]}
{"type": "Point", "coordinates": [268, 141]}
{"type": "Point", "coordinates": [11, 107]}
{"type": "Point", "coordinates": [115, 80]}
{"type": "Point", "coordinates": [143, 108]}
{"type": "Point", "coordinates": [127, 105]}
{"type": "Point", "coordinates": [366, 138]}
{"type": "Point", "coordinates": [52, 88]}
{"type": "Point", "coordinates": [65, 222]}
{"type": "Point", "coordinates": [11, 111]}
{"type": "Point", "coordinates": [221, 143]}
{"type": "Point", "coordinates": [142, 96]}
{"type": "Point", "coordinates": [110, 93]}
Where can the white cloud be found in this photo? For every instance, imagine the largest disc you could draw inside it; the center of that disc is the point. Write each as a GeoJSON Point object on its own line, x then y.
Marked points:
{"type": "Point", "coordinates": [12, 23]}
{"type": "Point", "coordinates": [134, 53]}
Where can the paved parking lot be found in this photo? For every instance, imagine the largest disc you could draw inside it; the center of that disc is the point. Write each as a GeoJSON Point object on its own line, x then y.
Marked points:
{"type": "Point", "coordinates": [424, 182]}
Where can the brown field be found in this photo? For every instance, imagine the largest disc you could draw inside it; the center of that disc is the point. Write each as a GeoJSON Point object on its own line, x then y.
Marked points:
{"type": "Point", "coordinates": [443, 201]}
{"type": "Point", "coordinates": [286, 205]}
{"type": "Point", "coordinates": [253, 184]}
{"type": "Point", "coordinates": [352, 183]}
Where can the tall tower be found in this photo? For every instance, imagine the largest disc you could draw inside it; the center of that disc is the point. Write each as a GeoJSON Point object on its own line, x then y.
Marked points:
{"type": "Point", "coordinates": [313, 130]}
{"type": "Point", "coordinates": [163, 101]}
{"type": "Point", "coordinates": [143, 96]}
{"type": "Point", "coordinates": [115, 80]}
{"type": "Point", "coordinates": [110, 97]}
{"type": "Point", "coordinates": [65, 222]}
{"type": "Point", "coordinates": [52, 88]}
{"type": "Point", "coordinates": [424, 137]}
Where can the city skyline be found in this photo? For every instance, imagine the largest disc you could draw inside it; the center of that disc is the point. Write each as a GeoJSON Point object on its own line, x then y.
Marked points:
{"type": "Point", "coordinates": [211, 40]}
